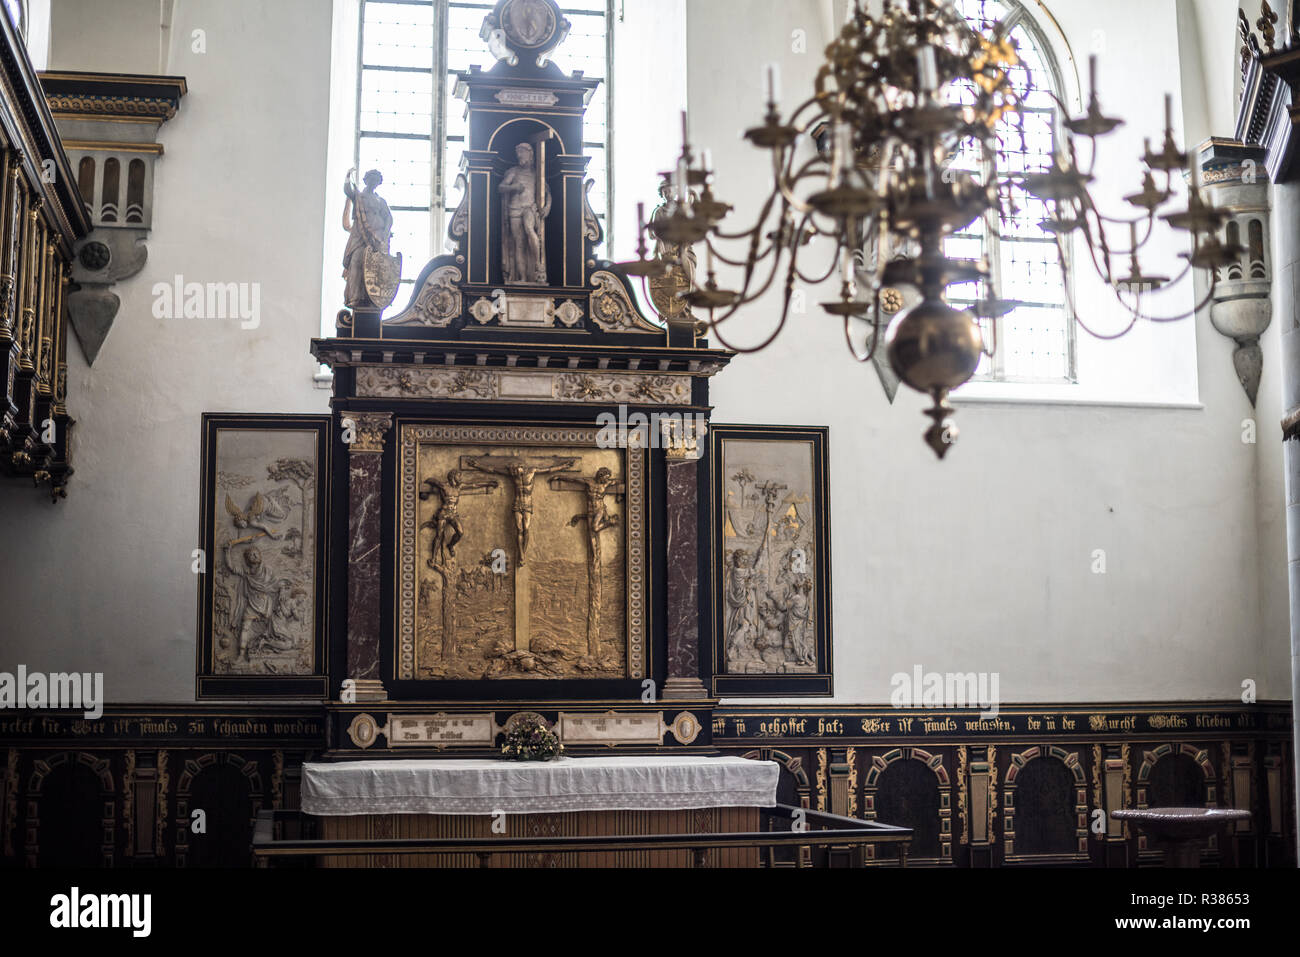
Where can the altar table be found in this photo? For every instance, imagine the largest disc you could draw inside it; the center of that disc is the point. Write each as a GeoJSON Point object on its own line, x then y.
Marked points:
{"type": "Point", "coordinates": [566, 797]}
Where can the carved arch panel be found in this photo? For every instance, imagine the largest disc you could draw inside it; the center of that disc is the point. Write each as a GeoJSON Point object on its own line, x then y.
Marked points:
{"type": "Point", "coordinates": [61, 789]}
{"type": "Point", "coordinates": [1150, 785]}
{"type": "Point", "coordinates": [796, 786]}
{"type": "Point", "coordinates": [1029, 800]}
{"type": "Point", "coordinates": [228, 788]}
{"type": "Point", "coordinates": [937, 778]}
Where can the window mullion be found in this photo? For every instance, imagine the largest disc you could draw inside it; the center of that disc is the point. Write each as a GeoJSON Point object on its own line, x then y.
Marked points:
{"type": "Point", "coordinates": [608, 222]}
{"type": "Point", "coordinates": [993, 250]}
{"type": "Point", "coordinates": [361, 73]}
{"type": "Point", "coordinates": [438, 139]}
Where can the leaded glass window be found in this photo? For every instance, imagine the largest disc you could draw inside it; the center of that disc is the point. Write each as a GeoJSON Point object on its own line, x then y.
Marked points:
{"type": "Point", "coordinates": [411, 127]}
{"type": "Point", "coordinates": [1035, 343]}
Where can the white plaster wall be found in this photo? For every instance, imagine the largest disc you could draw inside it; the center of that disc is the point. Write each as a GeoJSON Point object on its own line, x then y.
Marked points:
{"type": "Point", "coordinates": [983, 562]}
{"type": "Point", "coordinates": [114, 36]}
{"type": "Point", "coordinates": [1210, 52]}
{"type": "Point", "coordinates": [106, 584]}
{"type": "Point", "coordinates": [980, 563]}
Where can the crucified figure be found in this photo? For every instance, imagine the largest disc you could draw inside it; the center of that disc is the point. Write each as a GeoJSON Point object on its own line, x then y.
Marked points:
{"type": "Point", "coordinates": [598, 519]}
{"type": "Point", "coordinates": [523, 474]}
{"type": "Point", "coordinates": [446, 526]}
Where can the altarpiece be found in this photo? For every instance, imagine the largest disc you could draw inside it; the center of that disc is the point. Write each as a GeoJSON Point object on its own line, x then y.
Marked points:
{"type": "Point", "coordinates": [520, 511]}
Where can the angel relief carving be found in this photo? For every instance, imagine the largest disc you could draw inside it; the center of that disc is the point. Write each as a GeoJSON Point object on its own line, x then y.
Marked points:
{"type": "Point", "coordinates": [264, 587]}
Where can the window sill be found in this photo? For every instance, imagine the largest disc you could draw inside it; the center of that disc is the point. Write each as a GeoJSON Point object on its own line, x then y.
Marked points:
{"type": "Point", "coordinates": [1012, 393]}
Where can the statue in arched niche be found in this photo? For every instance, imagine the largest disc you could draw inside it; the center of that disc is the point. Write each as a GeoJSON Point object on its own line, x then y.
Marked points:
{"type": "Point", "coordinates": [525, 204]}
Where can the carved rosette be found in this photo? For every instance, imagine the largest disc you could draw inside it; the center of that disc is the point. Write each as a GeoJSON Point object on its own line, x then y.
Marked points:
{"type": "Point", "coordinates": [437, 303]}
{"type": "Point", "coordinates": [371, 427]}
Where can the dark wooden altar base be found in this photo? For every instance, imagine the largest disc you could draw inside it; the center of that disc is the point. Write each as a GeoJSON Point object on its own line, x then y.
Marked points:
{"type": "Point", "coordinates": [572, 824]}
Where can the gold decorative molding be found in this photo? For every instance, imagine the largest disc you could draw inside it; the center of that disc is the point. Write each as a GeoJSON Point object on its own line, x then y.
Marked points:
{"type": "Point", "coordinates": [682, 437]}
{"type": "Point", "coordinates": [962, 770]}
{"type": "Point", "coordinates": [370, 428]}
{"type": "Point", "coordinates": [277, 779]}
{"type": "Point", "coordinates": [1226, 774]}
{"type": "Point", "coordinates": [160, 821]}
{"type": "Point", "coordinates": [1096, 777]}
{"type": "Point", "coordinates": [98, 107]}
{"type": "Point", "coordinates": [821, 779]}
{"type": "Point", "coordinates": [993, 792]}
{"type": "Point", "coordinates": [128, 801]}
{"type": "Point", "coordinates": [852, 760]}
{"type": "Point", "coordinates": [11, 800]}
{"type": "Point", "coordinates": [109, 146]}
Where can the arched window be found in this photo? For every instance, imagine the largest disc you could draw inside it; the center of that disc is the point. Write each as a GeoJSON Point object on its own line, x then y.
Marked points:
{"type": "Point", "coordinates": [410, 126]}
{"type": "Point", "coordinates": [1035, 343]}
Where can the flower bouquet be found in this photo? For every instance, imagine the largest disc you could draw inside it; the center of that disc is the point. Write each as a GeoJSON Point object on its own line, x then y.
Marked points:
{"type": "Point", "coordinates": [531, 740]}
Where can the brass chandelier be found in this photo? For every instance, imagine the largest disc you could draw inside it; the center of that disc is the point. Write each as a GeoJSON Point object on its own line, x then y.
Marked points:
{"type": "Point", "coordinates": [901, 95]}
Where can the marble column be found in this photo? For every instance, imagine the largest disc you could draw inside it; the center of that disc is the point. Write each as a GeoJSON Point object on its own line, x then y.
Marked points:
{"type": "Point", "coordinates": [365, 481]}
{"type": "Point", "coordinates": [684, 447]}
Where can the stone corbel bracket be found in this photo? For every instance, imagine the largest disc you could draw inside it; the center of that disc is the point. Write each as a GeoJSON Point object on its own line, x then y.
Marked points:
{"type": "Point", "coordinates": [1236, 180]}
{"type": "Point", "coordinates": [109, 126]}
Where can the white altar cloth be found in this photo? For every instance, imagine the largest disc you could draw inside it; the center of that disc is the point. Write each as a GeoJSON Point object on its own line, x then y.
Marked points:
{"type": "Point", "coordinates": [479, 786]}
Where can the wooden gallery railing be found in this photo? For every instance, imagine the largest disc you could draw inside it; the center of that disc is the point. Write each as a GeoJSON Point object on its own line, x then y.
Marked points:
{"type": "Point", "coordinates": [815, 838]}
{"type": "Point", "coordinates": [41, 217]}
